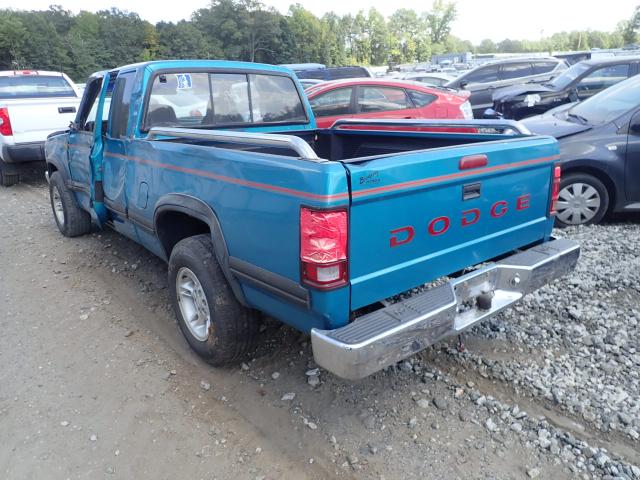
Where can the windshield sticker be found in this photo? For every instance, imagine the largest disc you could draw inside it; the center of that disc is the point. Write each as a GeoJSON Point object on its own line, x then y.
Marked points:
{"type": "Point", "coordinates": [184, 81]}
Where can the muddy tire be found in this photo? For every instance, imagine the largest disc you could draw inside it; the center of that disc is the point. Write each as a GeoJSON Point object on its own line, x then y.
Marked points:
{"type": "Point", "coordinates": [72, 221]}
{"type": "Point", "coordinates": [217, 327]}
{"type": "Point", "coordinates": [7, 179]}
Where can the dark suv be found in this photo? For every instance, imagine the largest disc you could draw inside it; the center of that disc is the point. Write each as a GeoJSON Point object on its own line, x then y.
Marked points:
{"type": "Point", "coordinates": [579, 82]}
{"type": "Point", "coordinates": [482, 81]}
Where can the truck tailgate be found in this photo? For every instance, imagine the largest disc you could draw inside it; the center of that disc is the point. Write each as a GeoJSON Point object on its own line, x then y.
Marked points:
{"type": "Point", "coordinates": [417, 216]}
{"type": "Point", "coordinates": [33, 119]}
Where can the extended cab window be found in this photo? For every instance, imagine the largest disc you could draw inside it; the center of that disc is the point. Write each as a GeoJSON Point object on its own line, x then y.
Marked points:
{"type": "Point", "coordinates": [34, 86]}
{"type": "Point", "coordinates": [210, 100]}
{"type": "Point", "coordinates": [120, 105]}
{"type": "Point", "coordinates": [333, 102]}
{"type": "Point", "coordinates": [382, 99]}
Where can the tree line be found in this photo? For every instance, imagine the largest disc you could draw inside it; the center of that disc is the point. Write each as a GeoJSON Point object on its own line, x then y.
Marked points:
{"type": "Point", "coordinates": [56, 39]}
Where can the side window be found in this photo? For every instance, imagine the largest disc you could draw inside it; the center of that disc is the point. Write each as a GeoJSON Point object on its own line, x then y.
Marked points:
{"type": "Point", "coordinates": [120, 102]}
{"type": "Point", "coordinates": [382, 99]}
{"type": "Point", "coordinates": [334, 102]}
{"type": "Point", "coordinates": [543, 67]}
{"type": "Point", "coordinates": [515, 70]}
{"type": "Point", "coordinates": [421, 99]}
{"type": "Point", "coordinates": [604, 77]}
{"type": "Point", "coordinates": [87, 115]}
{"type": "Point", "coordinates": [178, 100]}
{"type": "Point", "coordinates": [484, 75]}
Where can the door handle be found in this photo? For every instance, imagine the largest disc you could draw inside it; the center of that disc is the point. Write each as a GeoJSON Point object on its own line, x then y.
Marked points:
{"type": "Point", "coordinates": [66, 109]}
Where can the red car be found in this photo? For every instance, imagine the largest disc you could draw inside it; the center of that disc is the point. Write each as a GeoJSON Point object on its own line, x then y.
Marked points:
{"type": "Point", "coordinates": [384, 99]}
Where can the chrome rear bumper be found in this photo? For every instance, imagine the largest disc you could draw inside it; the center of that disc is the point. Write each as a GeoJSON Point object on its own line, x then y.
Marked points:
{"type": "Point", "coordinates": [398, 331]}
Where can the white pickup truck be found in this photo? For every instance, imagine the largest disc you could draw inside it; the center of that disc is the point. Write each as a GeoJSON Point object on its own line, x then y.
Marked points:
{"type": "Point", "coordinates": [33, 104]}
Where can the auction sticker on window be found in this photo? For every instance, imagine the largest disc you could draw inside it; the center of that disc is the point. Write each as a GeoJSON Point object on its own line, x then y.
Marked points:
{"type": "Point", "coordinates": [184, 81]}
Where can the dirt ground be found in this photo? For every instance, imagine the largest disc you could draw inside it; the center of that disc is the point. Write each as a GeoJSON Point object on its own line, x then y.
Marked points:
{"type": "Point", "coordinates": [96, 381]}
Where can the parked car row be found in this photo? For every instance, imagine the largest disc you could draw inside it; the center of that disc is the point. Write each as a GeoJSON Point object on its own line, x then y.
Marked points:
{"type": "Point", "coordinates": [599, 152]}
{"type": "Point", "coordinates": [598, 126]}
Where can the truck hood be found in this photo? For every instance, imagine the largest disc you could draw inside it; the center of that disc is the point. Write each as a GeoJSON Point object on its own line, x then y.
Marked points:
{"type": "Point", "coordinates": [555, 123]}
{"type": "Point", "coordinates": [519, 90]}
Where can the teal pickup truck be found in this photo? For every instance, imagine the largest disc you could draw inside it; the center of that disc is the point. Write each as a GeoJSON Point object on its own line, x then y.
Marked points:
{"type": "Point", "coordinates": [218, 168]}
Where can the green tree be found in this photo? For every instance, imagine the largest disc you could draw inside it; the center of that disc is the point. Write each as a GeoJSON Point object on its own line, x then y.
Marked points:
{"type": "Point", "coordinates": [13, 35]}
{"type": "Point", "coordinates": [183, 40]}
{"type": "Point", "coordinates": [630, 32]}
{"type": "Point", "coordinates": [487, 46]}
{"type": "Point", "coordinates": [439, 20]}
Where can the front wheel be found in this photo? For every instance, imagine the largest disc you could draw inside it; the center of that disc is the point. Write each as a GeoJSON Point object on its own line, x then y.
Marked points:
{"type": "Point", "coordinates": [216, 326]}
{"type": "Point", "coordinates": [583, 200]}
{"type": "Point", "coordinates": [72, 220]}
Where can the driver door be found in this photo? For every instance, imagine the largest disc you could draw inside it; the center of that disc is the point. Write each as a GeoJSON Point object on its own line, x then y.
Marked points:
{"type": "Point", "coordinates": [81, 141]}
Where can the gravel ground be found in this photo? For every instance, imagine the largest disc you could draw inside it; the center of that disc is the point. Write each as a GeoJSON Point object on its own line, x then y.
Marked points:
{"type": "Point", "coordinates": [97, 381]}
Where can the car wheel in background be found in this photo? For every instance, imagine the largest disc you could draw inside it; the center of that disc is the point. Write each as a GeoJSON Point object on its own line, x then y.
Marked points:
{"type": "Point", "coordinates": [583, 200]}
{"type": "Point", "coordinates": [7, 179]}
{"type": "Point", "coordinates": [72, 221]}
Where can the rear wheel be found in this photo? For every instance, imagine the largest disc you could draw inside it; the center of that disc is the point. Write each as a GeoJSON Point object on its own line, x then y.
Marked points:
{"type": "Point", "coordinates": [216, 326]}
{"type": "Point", "coordinates": [583, 200]}
{"type": "Point", "coordinates": [7, 179]}
{"type": "Point", "coordinates": [72, 221]}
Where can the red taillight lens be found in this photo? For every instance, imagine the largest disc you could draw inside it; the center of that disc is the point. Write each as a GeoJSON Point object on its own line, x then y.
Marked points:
{"type": "Point", "coordinates": [5, 122]}
{"type": "Point", "coordinates": [323, 247]}
{"type": "Point", "coordinates": [555, 189]}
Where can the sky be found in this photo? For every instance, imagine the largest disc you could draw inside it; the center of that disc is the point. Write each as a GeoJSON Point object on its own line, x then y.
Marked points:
{"type": "Point", "coordinates": [477, 19]}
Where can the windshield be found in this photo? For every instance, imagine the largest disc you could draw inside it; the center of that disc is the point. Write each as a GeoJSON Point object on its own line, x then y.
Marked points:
{"type": "Point", "coordinates": [610, 103]}
{"type": "Point", "coordinates": [568, 76]}
{"type": "Point", "coordinates": [34, 86]}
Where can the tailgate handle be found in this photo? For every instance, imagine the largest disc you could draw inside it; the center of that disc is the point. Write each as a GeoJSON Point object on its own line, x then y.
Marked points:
{"type": "Point", "coordinates": [470, 191]}
{"type": "Point", "coordinates": [66, 109]}
{"type": "Point", "coordinates": [473, 161]}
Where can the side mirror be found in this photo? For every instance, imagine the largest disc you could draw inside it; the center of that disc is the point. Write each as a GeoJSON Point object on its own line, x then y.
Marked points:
{"type": "Point", "coordinates": [491, 114]}
{"type": "Point", "coordinates": [573, 95]}
{"type": "Point", "coordinates": [634, 126]}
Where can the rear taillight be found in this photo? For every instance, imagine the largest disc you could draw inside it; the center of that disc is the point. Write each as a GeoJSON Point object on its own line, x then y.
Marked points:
{"type": "Point", "coordinates": [5, 122]}
{"type": "Point", "coordinates": [555, 189]}
{"type": "Point", "coordinates": [323, 247]}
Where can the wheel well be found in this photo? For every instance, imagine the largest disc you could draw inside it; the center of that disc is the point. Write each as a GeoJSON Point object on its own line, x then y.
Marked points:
{"type": "Point", "coordinates": [600, 175]}
{"type": "Point", "coordinates": [172, 226]}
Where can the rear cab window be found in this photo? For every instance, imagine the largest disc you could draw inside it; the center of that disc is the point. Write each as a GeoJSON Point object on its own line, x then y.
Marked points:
{"type": "Point", "coordinates": [35, 86]}
{"type": "Point", "coordinates": [210, 100]}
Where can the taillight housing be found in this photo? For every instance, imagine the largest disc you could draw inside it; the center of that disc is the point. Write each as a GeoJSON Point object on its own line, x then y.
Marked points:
{"type": "Point", "coordinates": [5, 122]}
{"type": "Point", "coordinates": [323, 247]}
{"type": "Point", "coordinates": [555, 189]}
